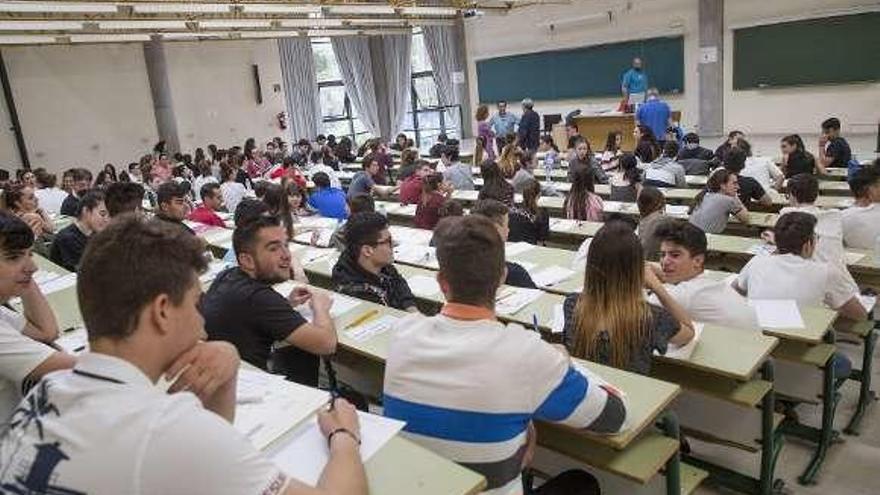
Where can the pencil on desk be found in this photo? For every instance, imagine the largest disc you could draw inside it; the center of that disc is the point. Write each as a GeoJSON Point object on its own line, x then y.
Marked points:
{"type": "Point", "coordinates": [362, 318]}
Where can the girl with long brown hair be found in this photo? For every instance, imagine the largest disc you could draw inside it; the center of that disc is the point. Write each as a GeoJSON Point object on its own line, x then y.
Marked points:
{"type": "Point", "coordinates": [610, 321]}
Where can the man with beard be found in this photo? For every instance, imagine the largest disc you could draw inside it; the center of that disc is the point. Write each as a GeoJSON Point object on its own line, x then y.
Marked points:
{"type": "Point", "coordinates": [241, 306]}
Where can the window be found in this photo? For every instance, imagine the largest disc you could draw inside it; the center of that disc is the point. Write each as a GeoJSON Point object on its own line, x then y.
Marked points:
{"type": "Point", "coordinates": [427, 118]}
{"type": "Point", "coordinates": [337, 113]}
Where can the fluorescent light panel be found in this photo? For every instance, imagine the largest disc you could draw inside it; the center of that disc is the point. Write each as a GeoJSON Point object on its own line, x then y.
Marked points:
{"type": "Point", "coordinates": [376, 22]}
{"type": "Point", "coordinates": [361, 9]}
{"type": "Point", "coordinates": [331, 32]}
{"type": "Point", "coordinates": [39, 25]}
{"type": "Point", "coordinates": [142, 24]}
{"type": "Point", "coordinates": [269, 34]}
{"type": "Point", "coordinates": [53, 7]}
{"type": "Point", "coordinates": [181, 8]}
{"type": "Point", "coordinates": [268, 8]}
{"type": "Point", "coordinates": [108, 38]}
{"type": "Point", "coordinates": [192, 35]}
{"type": "Point", "coordinates": [235, 23]}
{"type": "Point", "coordinates": [311, 22]}
{"type": "Point", "coordinates": [448, 11]}
{"type": "Point", "coordinates": [26, 40]}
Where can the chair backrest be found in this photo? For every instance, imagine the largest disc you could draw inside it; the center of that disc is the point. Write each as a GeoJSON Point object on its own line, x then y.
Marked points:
{"type": "Point", "coordinates": [695, 166]}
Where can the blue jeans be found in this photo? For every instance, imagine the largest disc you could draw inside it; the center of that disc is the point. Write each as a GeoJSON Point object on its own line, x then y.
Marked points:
{"type": "Point", "coordinates": [841, 366]}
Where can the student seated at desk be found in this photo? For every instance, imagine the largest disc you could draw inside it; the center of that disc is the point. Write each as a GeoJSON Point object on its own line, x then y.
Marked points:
{"type": "Point", "coordinates": [647, 149]}
{"type": "Point", "coordinates": [612, 150]}
{"type": "Point", "coordinates": [582, 202]}
{"type": "Point", "coordinates": [450, 376]}
{"type": "Point", "coordinates": [20, 199]}
{"type": "Point", "coordinates": [627, 181]}
{"type": "Point", "coordinates": [409, 164]}
{"type": "Point", "coordinates": [82, 181]}
{"type": "Point", "coordinates": [795, 157]}
{"type": "Point", "coordinates": [411, 188]}
{"type": "Point", "coordinates": [70, 242]}
{"type": "Point", "coordinates": [665, 171]}
{"type": "Point", "coordinates": [494, 185]}
{"type": "Point", "coordinates": [683, 249]}
{"type": "Point", "coordinates": [459, 174]}
{"type": "Point", "coordinates": [749, 190]}
{"type": "Point", "coordinates": [232, 190]}
{"type": "Point", "coordinates": [717, 202]}
{"type": "Point", "coordinates": [498, 213]}
{"type": "Point", "coordinates": [834, 150]}
{"type": "Point", "coordinates": [733, 137]}
{"type": "Point", "coordinates": [861, 222]}
{"type": "Point", "coordinates": [365, 269]}
{"type": "Point", "coordinates": [691, 149]}
{"type": "Point", "coordinates": [143, 323]}
{"type": "Point", "coordinates": [525, 172]}
{"type": "Point", "coordinates": [528, 222]}
{"type": "Point", "coordinates": [584, 159]}
{"type": "Point", "coordinates": [791, 273]}
{"type": "Point", "coordinates": [378, 152]}
{"type": "Point", "coordinates": [212, 201]}
{"type": "Point", "coordinates": [761, 168]}
{"type": "Point", "coordinates": [173, 206]}
{"type": "Point", "coordinates": [364, 182]}
{"type": "Point", "coordinates": [24, 354]}
{"type": "Point", "coordinates": [49, 196]}
{"type": "Point", "coordinates": [652, 214]}
{"type": "Point", "coordinates": [450, 208]}
{"type": "Point", "coordinates": [610, 322]}
{"type": "Point", "coordinates": [326, 200]}
{"type": "Point", "coordinates": [124, 197]}
{"type": "Point", "coordinates": [241, 306]}
{"type": "Point", "coordinates": [437, 148]}
{"type": "Point", "coordinates": [320, 167]}
{"type": "Point", "coordinates": [434, 193]}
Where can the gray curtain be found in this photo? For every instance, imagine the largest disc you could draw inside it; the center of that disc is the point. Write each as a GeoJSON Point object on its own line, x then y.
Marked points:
{"type": "Point", "coordinates": [300, 87]}
{"type": "Point", "coordinates": [442, 44]}
{"type": "Point", "coordinates": [396, 50]}
{"type": "Point", "coordinates": [353, 56]}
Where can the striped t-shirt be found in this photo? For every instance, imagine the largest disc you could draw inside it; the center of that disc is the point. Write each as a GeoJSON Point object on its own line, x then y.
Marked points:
{"type": "Point", "coordinates": [468, 390]}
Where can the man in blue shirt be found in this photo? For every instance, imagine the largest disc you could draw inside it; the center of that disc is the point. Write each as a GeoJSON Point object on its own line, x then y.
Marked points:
{"type": "Point", "coordinates": [502, 124]}
{"type": "Point", "coordinates": [655, 113]}
{"type": "Point", "coordinates": [634, 84]}
{"type": "Point", "coordinates": [329, 201]}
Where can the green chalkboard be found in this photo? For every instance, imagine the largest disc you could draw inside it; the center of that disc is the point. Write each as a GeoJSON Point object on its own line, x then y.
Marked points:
{"type": "Point", "coordinates": [831, 50]}
{"type": "Point", "coordinates": [581, 72]}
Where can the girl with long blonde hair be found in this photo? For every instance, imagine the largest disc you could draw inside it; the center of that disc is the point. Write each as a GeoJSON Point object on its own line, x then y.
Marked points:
{"type": "Point", "coordinates": [610, 321]}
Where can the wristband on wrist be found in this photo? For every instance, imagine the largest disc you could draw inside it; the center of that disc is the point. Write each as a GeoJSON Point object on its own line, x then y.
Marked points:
{"type": "Point", "coordinates": [342, 430]}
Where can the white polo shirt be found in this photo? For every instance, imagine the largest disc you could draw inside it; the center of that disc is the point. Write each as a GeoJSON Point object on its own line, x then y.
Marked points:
{"type": "Point", "coordinates": [19, 356]}
{"type": "Point", "coordinates": [861, 226]}
{"type": "Point", "coordinates": [104, 427]}
{"type": "Point", "coordinates": [789, 276]}
{"type": "Point", "coordinates": [709, 300]}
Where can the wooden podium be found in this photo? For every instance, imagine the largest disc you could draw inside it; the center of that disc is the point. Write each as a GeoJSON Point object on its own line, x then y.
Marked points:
{"type": "Point", "coordinates": [596, 128]}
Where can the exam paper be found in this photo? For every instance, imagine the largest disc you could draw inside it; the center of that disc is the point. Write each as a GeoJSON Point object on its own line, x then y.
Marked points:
{"type": "Point", "coordinates": [551, 276]}
{"type": "Point", "coordinates": [44, 276]}
{"type": "Point", "coordinates": [371, 328]}
{"type": "Point", "coordinates": [558, 319]}
{"type": "Point", "coordinates": [516, 248]}
{"type": "Point", "coordinates": [853, 257]}
{"type": "Point", "coordinates": [423, 286]}
{"type": "Point", "coordinates": [415, 254]}
{"type": "Point", "coordinates": [311, 255]}
{"type": "Point", "coordinates": [341, 304]}
{"type": "Point", "coordinates": [680, 211]}
{"type": "Point", "coordinates": [527, 265]}
{"type": "Point", "coordinates": [777, 313]}
{"type": "Point", "coordinates": [563, 225]}
{"type": "Point", "coordinates": [510, 300]}
{"type": "Point", "coordinates": [762, 249]}
{"type": "Point", "coordinates": [58, 284]}
{"type": "Point", "coordinates": [318, 222]}
{"type": "Point", "coordinates": [306, 454]}
{"type": "Point", "coordinates": [409, 235]}
{"type": "Point", "coordinates": [283, 405]}
{"type": "Point", "coordinates": [868, 302]}
{"type": "Point", "coordinates": [74, 342]}
{"type": "Point", "coordinates": [684, 352]}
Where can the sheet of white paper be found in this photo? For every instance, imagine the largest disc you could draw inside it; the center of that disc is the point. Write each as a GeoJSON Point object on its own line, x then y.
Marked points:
{"type": "Point", "coordinates": [551, 276]}
{"type": "Point", "coordinates": [558, 319]}
{"type": "Point", "coordinates": [403, 210]}
{"type": "Point", "coordinates": [685, 351]}
{"type": "Point", "coordinates": [612, 206]}
{"type": "Point", "coordinates": [44, 276]}
{"type": "Point", "coordinates": [510, 300]}
{"type": "Point", "coordinates": [513, 249]}
{"type": "Point", "coordinates": [58, 284]}
{"type": "Point", "coordinates": [562, 225]}
{"type": "Point", "coordinates": [593, 378]}
{"type": "Point", "coordinates": [318, 222]}
{"type": "Point", "coordinates": [214, 269]}
{"type": "Point", "coordinates": [74, 342]}
{"type": "Point", "coordinates": [853, 257]}
{"type": "Point", "coordinates": [527, 265]}
{"type": "Point", "coordinates": [283, 406]}
{"type": "Point", "coordinates": [341, 304]}
{"type": "Point", "coordinates": [762, 249]}
{"type": "Point", "coordinates": [868, 302]}
{"type": "Point", "coordinates": [305, 455]}
{"type": "Point", "coordinates": [418, 255]}
{"type": "Point", "coordinates": [423, 286]}
{"type": "Point", "coordinates": [677, 210]}
{"type": "Point", "coordinates": [312, 255]}
{"type": "Point", "coordinates": [371, 328]}
{"type": "Point", "coordinates": [777, 313]}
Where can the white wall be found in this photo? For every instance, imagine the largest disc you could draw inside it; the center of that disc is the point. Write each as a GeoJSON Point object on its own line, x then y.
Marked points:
{"type": "Point", "coordinates": [80, 105]}
{"type": "Point", "coordinates": [763, 114]}
{"type": "Point", "coordinates": [214, 95]}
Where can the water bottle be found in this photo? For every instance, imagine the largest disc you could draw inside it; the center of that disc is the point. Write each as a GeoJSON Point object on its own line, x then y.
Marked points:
{"type": "Point", "coordinates": [549, 161]}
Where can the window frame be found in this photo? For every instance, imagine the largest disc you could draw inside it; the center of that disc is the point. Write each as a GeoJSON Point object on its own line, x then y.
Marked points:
{"type": "Point", "coordinates": [348, 114]}
{"type": "Point", "coordinates": [415, 109]}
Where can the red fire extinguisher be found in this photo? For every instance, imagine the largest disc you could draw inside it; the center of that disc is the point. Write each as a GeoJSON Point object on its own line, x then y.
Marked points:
{"type": "Point", "coordinates": [282, 120]}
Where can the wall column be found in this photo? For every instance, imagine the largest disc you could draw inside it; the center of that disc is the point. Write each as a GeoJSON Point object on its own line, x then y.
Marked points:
{"type": "Point", "coordinates": [160, 88]}
{"type": "Point", "coordinates": [711, 67]}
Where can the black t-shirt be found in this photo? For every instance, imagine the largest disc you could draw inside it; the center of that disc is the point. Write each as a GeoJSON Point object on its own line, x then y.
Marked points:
{"type": "Point", "coordinates": [68, 247]}
{"type": "Point", "coordinates": [528, 227]}
{"type": "Point", "coordinates": [750, 190]}
{"type": "Point", "coordinates": [70, 206]}
{"type": "Point", "coordinates": [839, 151]}
{"type": "Point", "coordinates": [517, 276]}
{"type": "Point", "coordinates": [799, 163]}
{"type": "Point", "coordinates": [250, 315]}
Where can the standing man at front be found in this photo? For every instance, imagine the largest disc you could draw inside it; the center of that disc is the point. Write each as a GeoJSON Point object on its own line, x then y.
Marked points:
{"type": "Point", "coordinates": [529, 126]}
{"type": "Point", "coordinates": [503, 123]}
{"type": "Point", "coordinates": [635, 84]}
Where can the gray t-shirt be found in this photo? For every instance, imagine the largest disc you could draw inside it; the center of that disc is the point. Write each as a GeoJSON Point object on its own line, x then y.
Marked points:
{"type": "Point", "coordinates": [361, 183]}
{"type": "Point", "coordinates": [520, 179]}
{"type": "Point", "coordinates": [712, 214]}
{"type": "Point", "coordinates": [461, 176]}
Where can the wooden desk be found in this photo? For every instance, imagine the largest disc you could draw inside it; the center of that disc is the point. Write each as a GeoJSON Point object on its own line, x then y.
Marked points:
{"type": "Point", "coordinates": [596, 128]}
